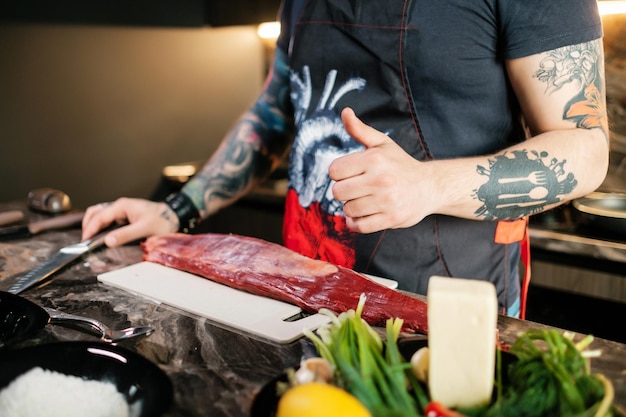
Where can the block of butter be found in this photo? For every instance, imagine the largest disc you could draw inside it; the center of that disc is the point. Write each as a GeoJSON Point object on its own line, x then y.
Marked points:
{"type": "Point", "coordinates": [462, 322]}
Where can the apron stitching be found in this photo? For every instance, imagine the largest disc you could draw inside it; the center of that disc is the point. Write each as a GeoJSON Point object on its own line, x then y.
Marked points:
{"type": "Point", "coordinates": [376, 247]}
{"type": "Point", "coordinates": [439, 251]}
{"type": "Point", "coordinates": [358, 25]}
{"type": "Point", "coordinates": [412, 111]}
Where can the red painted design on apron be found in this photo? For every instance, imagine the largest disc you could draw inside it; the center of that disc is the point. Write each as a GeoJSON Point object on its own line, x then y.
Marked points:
{"type": "Point", "coordinates": [317, 233]}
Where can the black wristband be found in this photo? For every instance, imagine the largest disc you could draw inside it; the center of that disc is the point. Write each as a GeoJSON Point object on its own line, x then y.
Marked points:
{"type": "Point", "coordinates": [185, 210]}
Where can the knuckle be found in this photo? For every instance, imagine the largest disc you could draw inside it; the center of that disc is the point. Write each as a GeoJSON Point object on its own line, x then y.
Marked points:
{"type": "Point", "coordinates": [375, 156]}
{"type": "Point", "coordinates": [336, 190]}
{"type": "Point", "coordinates": [348, 209]}
{"type": "Point", "coordinates": [386, 180]}
{"type": "Point", "coordinates": [122, 200]}
{"type": "Point", "coordinates": [332, 170]}
{"type": "Point", "coordinates": [392, 200]}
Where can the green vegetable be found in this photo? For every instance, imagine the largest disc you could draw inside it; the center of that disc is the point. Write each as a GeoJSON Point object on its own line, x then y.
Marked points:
{"type": "Point", "coordinates": [550, 378]}
{"type": "Point", "coordinates": [369, 368]}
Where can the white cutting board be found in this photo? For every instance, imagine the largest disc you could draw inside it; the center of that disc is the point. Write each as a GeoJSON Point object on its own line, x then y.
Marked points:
{"type": "Point", "coordinates": [250, 313]}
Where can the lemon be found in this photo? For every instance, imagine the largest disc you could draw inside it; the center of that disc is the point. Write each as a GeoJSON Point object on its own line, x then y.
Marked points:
{"type": "Point", "coordinates": [317, 399]}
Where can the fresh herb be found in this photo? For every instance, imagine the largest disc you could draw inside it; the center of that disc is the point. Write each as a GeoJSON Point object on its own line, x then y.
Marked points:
{"type": "Point", "coordinates": [550, 377]}
{"type": "Point", "coordinates": [369, 368]}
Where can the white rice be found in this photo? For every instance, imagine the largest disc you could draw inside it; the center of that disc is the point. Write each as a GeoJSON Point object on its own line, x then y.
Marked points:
{"type": "Point", "coordinates": [45, 393]}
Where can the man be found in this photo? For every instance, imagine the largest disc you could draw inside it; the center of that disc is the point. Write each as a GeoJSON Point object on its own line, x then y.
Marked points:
{"type": "Point", "coordinates": [472, 115]}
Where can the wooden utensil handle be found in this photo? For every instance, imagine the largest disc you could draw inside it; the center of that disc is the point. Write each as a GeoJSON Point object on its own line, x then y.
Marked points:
{"type": "Point", "coordinates": [11, 216]}
{"type": "Point", "coordinates": [57, 222]}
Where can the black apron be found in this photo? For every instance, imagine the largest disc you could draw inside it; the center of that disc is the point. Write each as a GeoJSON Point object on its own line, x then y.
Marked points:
{"type": "Point", "coordinates": [350, 53]}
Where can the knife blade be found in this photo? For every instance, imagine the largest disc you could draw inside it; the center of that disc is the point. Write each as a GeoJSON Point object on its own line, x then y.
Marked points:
{"type": "Point", "coordinates": [33, 228]}
{"type": "Point", "coordinates": [60, 259]}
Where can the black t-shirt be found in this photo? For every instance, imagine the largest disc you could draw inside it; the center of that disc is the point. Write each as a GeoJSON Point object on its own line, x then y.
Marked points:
{"type": "Point", "coordinates": [431, 75]}
{"type": "Point", "coordinates": [456, 73]}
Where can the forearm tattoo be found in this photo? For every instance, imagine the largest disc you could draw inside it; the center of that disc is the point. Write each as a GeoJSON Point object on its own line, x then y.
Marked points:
{"type": "Point", "coordinates": [166, 214]}
{"type": "Point", "coordinates": [519, 185]}
{"type": "Point", "coordinates": [524, 182]}
{"type": "Point", "coordinates": [253, 149]}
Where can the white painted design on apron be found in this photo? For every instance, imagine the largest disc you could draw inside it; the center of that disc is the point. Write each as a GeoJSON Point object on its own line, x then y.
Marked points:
{"type": "Point", "coordinates": [321, 138]}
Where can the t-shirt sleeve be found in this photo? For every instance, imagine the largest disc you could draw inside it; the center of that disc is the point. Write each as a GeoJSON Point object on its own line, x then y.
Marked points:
{"type": "Point", "coordinates": [283, 38]}
{"type": "Point", "coordinates": [532, 26]}
{"type": "Point", "coordinates": [288, 10]}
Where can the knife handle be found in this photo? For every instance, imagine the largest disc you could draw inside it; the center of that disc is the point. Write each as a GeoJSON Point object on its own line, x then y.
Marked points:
{"type": "Point", "coordinates": [11, 216]}
{"type": "Point", "coordinates": [58, 222]}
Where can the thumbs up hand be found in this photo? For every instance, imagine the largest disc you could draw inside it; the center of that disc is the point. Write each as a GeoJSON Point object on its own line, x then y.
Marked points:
{"type": "Point", "coordinates": [382, 187]}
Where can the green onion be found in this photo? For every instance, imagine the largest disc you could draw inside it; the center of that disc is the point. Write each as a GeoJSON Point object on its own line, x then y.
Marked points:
{"type": "Point", "coordinates": [549, 375]}
{"type": "Point", "coordinates": [369, 368]}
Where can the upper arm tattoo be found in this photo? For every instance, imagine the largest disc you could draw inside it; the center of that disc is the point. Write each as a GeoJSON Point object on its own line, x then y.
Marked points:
{"type": "Point", "coordinates": [253, 148]}
{"type": "Point", "coordinates": [524, 182]}
{"type": "Point", "coordinates": [582, 64]}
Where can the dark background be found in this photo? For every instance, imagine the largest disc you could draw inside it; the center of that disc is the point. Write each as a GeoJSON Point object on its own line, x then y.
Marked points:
{"type": "Point", "coordinates": [186, 13]}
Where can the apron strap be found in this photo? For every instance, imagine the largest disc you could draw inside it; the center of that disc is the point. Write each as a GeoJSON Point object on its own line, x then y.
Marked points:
{"type": "Point", "coordinates": [525, 254]}
{"type": "Point", "coordinates": [517, 231]}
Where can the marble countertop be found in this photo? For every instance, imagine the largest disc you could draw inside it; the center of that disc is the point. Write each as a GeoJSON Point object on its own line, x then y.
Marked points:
{"type": "Point", "coordinates": [215, 371]}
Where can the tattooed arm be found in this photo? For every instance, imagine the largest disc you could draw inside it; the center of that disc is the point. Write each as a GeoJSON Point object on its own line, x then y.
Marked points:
{"type": "Point", "coordinates": [561, 93]}
{"type": "Point", "coordinates": [248, 153]}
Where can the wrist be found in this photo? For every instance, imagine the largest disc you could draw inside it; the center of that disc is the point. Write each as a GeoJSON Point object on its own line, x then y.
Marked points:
{"type": "Point", "coordinates": [187, 213]}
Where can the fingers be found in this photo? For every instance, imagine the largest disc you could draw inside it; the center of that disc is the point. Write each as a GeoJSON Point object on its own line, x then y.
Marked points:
{"type": "Point", "coordinates": [125, 234]}
{"type": "Point", "coordinates": [361, 207]}
{"type": "Point", "coordinates": [96, 218]}
{"type": "Point", "coordinates": [103, 215]}
{"type": "Point", "coordinates": [367, 215]}
{"type": "Point", "coordinates": [144, 218]}
{"type": "Point", "coordinates": [377, 185]}
{"type": "Point", "coordinates": [378, 218]}
{"type": "Point", "coordinates": [368, 224]}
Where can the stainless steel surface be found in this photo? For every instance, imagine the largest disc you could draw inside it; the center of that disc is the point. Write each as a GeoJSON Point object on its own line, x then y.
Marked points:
{"type": "Point", "coordinates": [92, 325]}
{"type": "Point", "coordinates": [61, 258]}
{"type": "Point", "coordinates": [603, 204]}
{"type": "Point", "coordinates": [572, 244]}
{"type": "Point", "coordinates": [603, 210]}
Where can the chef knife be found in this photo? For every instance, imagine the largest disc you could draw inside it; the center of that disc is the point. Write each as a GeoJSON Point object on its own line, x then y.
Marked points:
{"type": "Point", "coordinates": [32, 228]}
{"type": "Point", "coordinates": [61, 258]}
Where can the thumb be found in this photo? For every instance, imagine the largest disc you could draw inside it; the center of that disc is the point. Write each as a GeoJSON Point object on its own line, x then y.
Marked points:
{"type": "Point", "coordinates": [361, 132]}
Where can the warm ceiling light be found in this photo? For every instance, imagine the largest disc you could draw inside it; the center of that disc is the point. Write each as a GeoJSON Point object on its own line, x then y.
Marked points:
{"type": "Point", "coordinates": [612, 7]}
{"type": "Point", "coordinates": [269, 30]}
{"type": "Point", "coordinates": [180, 173]}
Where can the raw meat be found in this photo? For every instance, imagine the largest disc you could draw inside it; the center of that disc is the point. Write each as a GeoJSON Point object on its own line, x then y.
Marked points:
{"type": "Point", "coordinates": [272, 270]}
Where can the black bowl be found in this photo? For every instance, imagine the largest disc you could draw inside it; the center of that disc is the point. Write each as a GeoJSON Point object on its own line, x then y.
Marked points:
{"type": "Point", "coordinates": [144, 385]}
{"type": "Point", "coordinates": [19, 318]}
